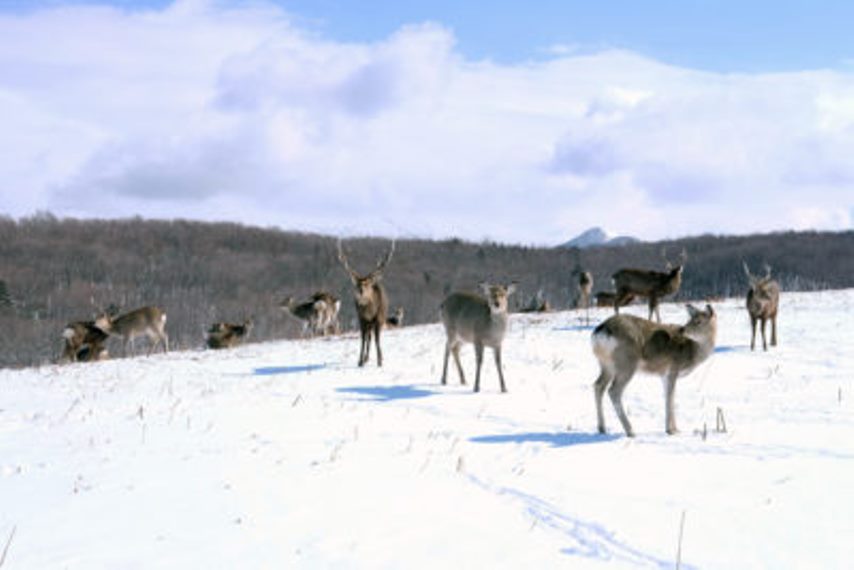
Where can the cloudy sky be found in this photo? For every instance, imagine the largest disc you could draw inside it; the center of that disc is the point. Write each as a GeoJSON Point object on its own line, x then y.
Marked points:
{"type": "Point", "coordinates": [511, 121]}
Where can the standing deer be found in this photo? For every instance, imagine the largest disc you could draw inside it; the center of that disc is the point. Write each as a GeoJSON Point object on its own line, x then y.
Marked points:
{"type": "Point", "coordinates": [625, 343]}
{"type": "Point", "coordinates": [762, 302]}
{"type": "Point", "coordinates": [148, 321]}
{"type": "Point", "coordinates": [82, 342]}
{"type": "Point", "coordinates": [653, 285]}
{"type": "Point", "coordinates": [228, 335]}
{"type": "Point", "coordinates": [585, 286]}
{"type": "Point", "coordinates": [319, 314]}
{"type": "Point", "coordinates": [371, 302]}
{"type": "Point", "coordinates": [479, 320]}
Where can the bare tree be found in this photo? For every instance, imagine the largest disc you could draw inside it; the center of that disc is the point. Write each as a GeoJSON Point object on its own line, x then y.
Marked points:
{"type": "Point", "coordinates": [145, 321]}
{"type": "Point", "coordinates": [763, 300]}
{"type": "Point", "coordinates": [482, 321]}
{"type": "Point", "coordinates": [625, 343]}
{"type": "Point", "coordinates": [228, 335]}
{"type": "Point", "coordinates": [371, 302]}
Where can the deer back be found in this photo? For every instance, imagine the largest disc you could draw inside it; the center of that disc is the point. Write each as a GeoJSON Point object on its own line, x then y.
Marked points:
{"type": "Point", "coordinates": [646, 282]}
{"type": "Point", "coordinates": [134, 322]}
{"type": "Point", "coordinates": [657, 347]}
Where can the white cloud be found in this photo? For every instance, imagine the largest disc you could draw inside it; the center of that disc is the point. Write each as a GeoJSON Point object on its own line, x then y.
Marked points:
{"type": "Point", "coordinates": [213, 112]}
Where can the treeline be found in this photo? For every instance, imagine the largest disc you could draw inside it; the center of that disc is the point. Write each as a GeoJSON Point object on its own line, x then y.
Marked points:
{"type": "Point", "coordinates": [54, 271]}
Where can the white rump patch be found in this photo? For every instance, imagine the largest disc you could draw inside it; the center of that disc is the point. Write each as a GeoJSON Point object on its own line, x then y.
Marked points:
{"type": "Point", "coordinates": [68, 333]}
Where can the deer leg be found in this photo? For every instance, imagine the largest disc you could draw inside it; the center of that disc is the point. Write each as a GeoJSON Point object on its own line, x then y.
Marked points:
{"type": "Point", "coordinates": [363, 345]}
{"type": "Point", "coordinates": [669, 392]}
{"type": "Point", "coordinates": [762, 328]}
{"type": "Point", "coordinates": [605, 378]}
{"type": "Point", "coordinates": [445, 362]}
{"type": "Point", "coordinates": [497, 352]}
{"type": "Point", "coordinates": [774, 330]}
{"type": "Point", "coordinates": [752, 333]}
{"type": "Point", "coordinates": [377, 328]}
{"type": "Point", "coordinates": [478, 354]}
{"type": "Point", "coordinates": [616, 393]}
{"type": "Point", "coordinates": [456, 351]}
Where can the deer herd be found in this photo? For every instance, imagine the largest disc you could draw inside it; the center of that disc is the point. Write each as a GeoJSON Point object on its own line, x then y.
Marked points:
{"type": "Point", "coordinates": [623, 344]}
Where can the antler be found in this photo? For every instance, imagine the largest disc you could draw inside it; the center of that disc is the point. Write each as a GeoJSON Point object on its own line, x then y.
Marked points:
{"type": "Point", "coordinates": [767, 271]}
{"type": "Point", "coordinates": [343, 259]}
{"type": "Point", "coordinates": [384, 261]}
{"type": "Point", "coordinates": [750, 276]}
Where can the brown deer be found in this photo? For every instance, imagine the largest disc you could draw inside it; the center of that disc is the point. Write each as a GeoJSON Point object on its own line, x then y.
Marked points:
{"type": "Point", "coordinates": [371, 302]}
{"type": "Point", "coordinates": [625, 343]}
{"type": "Point", "coordinates": [482, 321]}
{"type": "Point", "coordinates": [605, 298]}
{"type": "Point", "coordinates": [585, 286]}
{"type": "Point", "coordinates": [396, 318]}
{"type": "Point", "coordinates": [149, 321]}
{"type": "Point", "coordinates": [653, 285]}
{"type": "Point", "coordinates": [319, 314]}
{"type": "Point", "coordinates": [228, 335]}
{"type": "Point", "coordinates": [763, 299]}
{"type": "Point", "coordinates": [83, 342]}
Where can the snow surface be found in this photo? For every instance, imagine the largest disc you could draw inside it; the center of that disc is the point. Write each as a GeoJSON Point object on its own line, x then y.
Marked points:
{"type": "Point", "coordinates": [285, 454]}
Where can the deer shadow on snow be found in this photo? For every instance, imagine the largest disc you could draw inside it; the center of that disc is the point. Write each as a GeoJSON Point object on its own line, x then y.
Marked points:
{"type": "Point", "coordinates": [554, 439]}
{"type": "Point", "coordinates": [386, 393]}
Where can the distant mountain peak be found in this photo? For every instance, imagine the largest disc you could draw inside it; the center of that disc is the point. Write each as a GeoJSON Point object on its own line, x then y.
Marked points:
{"type": "Point", "coordinates": [596, 236]}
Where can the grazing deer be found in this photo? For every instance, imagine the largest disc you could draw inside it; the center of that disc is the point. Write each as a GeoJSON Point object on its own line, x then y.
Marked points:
{"type": "Point", "coordinates": [479, 320]}
{"type": "Point", "coordinates": [653, 285]}
{"type": "Point", "coordinates": [83, 342]}
{"type": "Point", "coordinates": [763, 300]}
{"type": "Point", "coordinates": [148, 321]}
{"type": "Point", "coordinates": [319, 314]}
{"type": "Point", "coordinates": [371, 303]}
{"type": "Point", "coordinates": [228, 335]}
{"type": "Point", "coordinates": [605, 298]}
{"type": "Point", "coordinates": [396, 319]}
{"type": "Point", "coordinates": [625, 343]}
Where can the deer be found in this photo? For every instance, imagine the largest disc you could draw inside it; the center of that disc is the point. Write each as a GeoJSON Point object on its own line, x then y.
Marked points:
{"type": "Point", "coordinates": [83, 342]}
{"type": "Point", "coordinates": [319, 314]}
{"type": "Point", "coordinates": [653, 285]}
{"type": "Point", "coordinates": [371, 302]}
{"type": "Point", "coordinates": [584, 286]}
{"type": "Point", "coordinates": [624, 344]}
{"type": "Point", "coordinates": [396, 318]}
{"type": "Point", "coordinates": [605, 298]}
{"type": "Point", "coordinates": [228, 335]}
{"type": "Point", "coordinates": [480, 320]}
{"type": "Point", "coordinates": [149, 321]}
{"type": "Point", "coordinates": [763, 299]}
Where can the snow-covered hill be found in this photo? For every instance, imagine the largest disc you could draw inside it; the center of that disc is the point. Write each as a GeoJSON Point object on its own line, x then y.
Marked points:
{"type": "Point", "coordinates": [285, 454]}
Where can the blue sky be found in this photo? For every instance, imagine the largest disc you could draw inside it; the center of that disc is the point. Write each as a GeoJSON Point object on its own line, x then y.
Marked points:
{"type": "Point", "coordinates": [496, 120]}
{"type": "Point", "coordinates": [717, 35]}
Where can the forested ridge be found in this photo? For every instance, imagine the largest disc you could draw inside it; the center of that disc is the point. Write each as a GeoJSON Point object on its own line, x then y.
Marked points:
{"type": "Point", "coordinates": [53, 271]}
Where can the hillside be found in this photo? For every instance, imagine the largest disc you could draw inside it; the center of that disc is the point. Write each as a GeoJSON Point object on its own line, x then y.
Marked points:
{"type": "Point", "coordinates": [286, 455]}
{"type": "Point", "coordinates": [54, 271]}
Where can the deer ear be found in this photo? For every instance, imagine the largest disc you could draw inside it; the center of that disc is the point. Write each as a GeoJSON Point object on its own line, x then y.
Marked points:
{"type": "Point", "coordinates": [710, 310]}
{"type": "Point", "coordinates": [511, 288]}
{"type": "Point", "coordinates": [692, 310]}
{"type": "Point", "coordinates": [484, 286]}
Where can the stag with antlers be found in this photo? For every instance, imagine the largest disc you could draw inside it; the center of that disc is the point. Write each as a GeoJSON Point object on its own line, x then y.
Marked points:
{"type": "Point", "coordinates": [371, 302]}
{"type": "Point", "coordinates": [763, 298]}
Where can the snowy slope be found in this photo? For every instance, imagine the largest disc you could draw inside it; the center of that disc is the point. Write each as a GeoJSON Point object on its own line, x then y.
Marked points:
{"type": "Point", "coordinates": [285, 454]}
